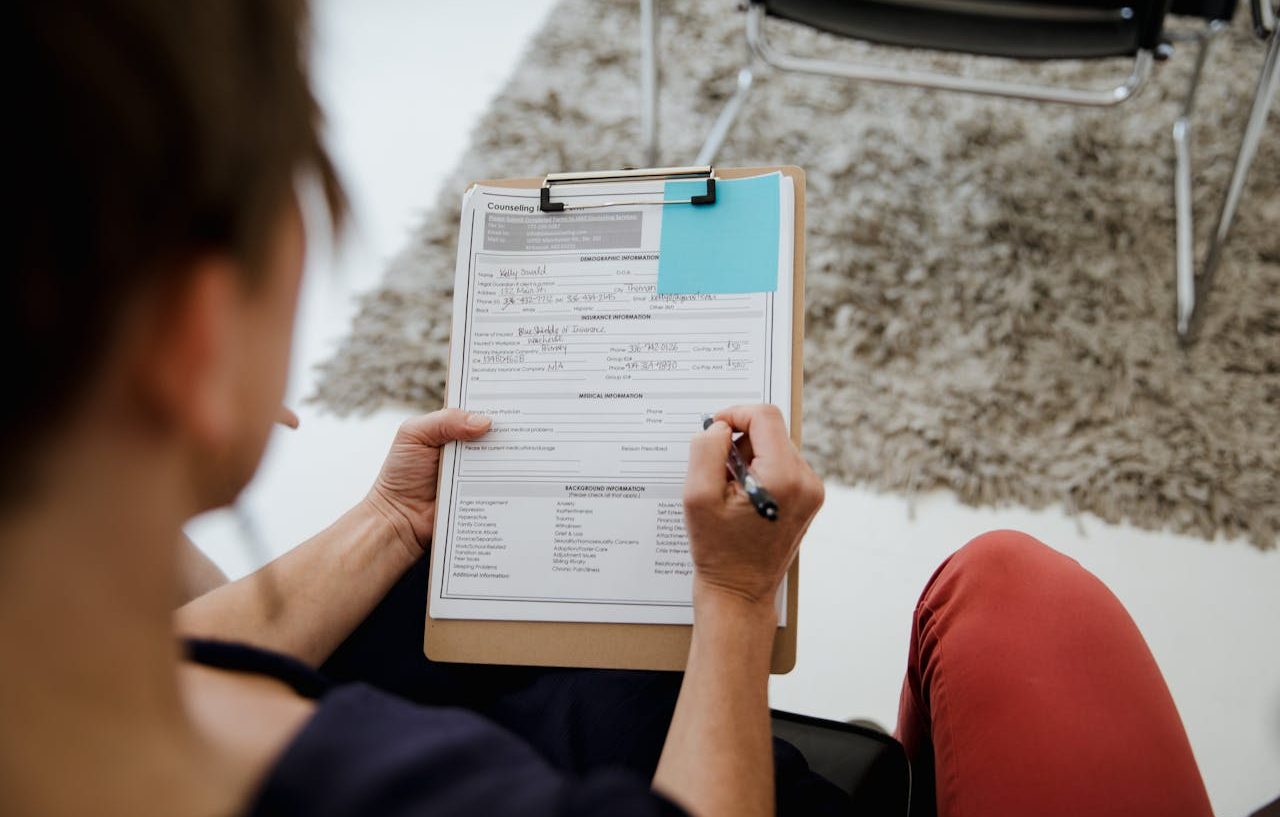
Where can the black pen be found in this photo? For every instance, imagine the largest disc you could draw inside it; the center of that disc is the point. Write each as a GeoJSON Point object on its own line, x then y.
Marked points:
{"type": "Point", "coordinates": [765, 505]}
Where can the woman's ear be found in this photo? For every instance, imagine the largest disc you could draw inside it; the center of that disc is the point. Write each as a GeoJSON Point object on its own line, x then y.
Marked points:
{"type": "Point", "coordinates": [187, 368]}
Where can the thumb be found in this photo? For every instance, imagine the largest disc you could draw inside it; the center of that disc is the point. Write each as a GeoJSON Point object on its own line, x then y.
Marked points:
{"type": "Point", "coordinates": [708, 452]}
{"type": "Point", "coordinates": [446, 425]}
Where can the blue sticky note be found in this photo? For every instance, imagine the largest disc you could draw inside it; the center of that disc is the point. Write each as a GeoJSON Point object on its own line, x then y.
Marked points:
{"type": "Point", "coordinates": [729, 246]}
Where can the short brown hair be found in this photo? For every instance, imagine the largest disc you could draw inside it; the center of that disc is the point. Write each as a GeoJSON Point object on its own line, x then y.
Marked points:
{"type": "Point", "coordinates": [147, 131]}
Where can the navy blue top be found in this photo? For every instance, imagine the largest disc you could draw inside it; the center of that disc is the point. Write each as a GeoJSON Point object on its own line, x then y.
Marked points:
{"type": "Point", "coordinates": [366, 752]}
{"type": "Point", "coordinates": [395, 734]}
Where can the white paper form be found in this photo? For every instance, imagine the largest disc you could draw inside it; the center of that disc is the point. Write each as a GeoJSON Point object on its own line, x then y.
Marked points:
{"type": "Point", "coordinates": [570, 509]}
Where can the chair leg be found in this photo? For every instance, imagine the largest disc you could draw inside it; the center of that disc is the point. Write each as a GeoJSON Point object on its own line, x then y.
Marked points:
{"type": "Point", "coordinates": [1185, 221]}
{"type": "Point", "coordinates": [727, 117]}
{"type": "Point", "coordinates": [259, 554]}
{"type": "Point", "coordinates": [1194, 290]}
{"type": "Point", "coordinates": [1269, 82]}
{"type": "Point", "coordinates": [649, 78]}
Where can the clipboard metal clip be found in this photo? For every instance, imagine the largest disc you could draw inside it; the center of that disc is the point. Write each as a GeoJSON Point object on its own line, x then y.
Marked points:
{"type": "Point", "coordinates": [700, 172]}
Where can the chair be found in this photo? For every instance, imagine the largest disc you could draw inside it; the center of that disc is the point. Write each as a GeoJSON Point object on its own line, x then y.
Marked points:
{"type": "Point", "coordinates": [1021, 29]}
{"type": "Point", "coordinates": [869, 766]}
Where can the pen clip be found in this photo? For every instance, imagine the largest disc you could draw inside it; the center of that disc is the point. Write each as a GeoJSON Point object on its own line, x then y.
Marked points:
{"type": "Point", "coordinates": [739, 468]}
{"type": "Point", "coordinates": [760, 498]}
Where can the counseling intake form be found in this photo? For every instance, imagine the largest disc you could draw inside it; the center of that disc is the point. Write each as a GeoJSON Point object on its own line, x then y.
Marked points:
{"type": "Point", "coordinates": [569, 509]}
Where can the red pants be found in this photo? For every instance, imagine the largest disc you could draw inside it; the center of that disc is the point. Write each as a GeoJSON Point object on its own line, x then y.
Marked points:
{"type": "Point", "coordinates": [1030, 692]}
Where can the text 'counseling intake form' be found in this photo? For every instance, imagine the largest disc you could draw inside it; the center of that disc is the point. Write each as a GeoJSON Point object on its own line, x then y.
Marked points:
{"type": "Point", "coordinates": [596, 377]}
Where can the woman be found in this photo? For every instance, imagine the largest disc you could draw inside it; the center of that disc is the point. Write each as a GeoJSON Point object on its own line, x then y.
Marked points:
{"type": "Point", "coordinates": [148, 317]}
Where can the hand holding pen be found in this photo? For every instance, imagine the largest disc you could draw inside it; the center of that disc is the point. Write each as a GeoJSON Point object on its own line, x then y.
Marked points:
{"type": "Point", "coordinates": [742, 536]}
{"type": "Point", "coordinates": [763, 501]}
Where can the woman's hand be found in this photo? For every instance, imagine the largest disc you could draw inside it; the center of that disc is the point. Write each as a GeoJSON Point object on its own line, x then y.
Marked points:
{"type": "Point", "coordinates": [405, 491]}
{"type": "Point", "coordinates": [307, 601]}
{"type": "Point", "coordinates": [735, 550]}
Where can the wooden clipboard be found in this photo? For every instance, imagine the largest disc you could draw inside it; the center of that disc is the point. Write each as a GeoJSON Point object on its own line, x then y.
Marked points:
{"type": "Point", "coordinates": [627, 646]}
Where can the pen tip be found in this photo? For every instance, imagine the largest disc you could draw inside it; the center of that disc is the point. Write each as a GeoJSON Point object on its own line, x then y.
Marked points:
{"type": "Point", "coordinates": [707, 420]}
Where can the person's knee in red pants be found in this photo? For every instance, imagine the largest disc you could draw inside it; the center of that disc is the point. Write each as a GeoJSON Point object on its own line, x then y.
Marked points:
{"type": "Point", "coordinates": [1030, 691]}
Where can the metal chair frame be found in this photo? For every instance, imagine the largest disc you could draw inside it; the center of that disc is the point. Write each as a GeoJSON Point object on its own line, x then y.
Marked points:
{"type": "Point", "coordinates": [1192, 289]}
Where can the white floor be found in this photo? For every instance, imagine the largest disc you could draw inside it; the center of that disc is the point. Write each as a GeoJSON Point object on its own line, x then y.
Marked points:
{"type": "Point", "coordinates": [402, 95]}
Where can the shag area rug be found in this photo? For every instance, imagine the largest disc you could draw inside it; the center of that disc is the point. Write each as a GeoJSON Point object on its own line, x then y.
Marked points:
{"type": "Point", "coordinates": [990, 283]}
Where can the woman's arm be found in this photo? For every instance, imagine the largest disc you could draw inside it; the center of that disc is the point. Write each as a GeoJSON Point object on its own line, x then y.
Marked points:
{"type": "Point", "coordinates": [718, 757]}
{"type": "Point", "coordinates": [307, 601]}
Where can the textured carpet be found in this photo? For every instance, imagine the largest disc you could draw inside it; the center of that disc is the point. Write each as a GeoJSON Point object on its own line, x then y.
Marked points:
{"type": "Point", "coordinates": [990, 283]}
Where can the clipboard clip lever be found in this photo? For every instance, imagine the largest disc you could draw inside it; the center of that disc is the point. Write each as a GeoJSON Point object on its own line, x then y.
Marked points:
{"type": "Point", "coordinates": [697, 173]}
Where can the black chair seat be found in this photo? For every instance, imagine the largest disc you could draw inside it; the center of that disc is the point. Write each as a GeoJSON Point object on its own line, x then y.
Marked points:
{"type": "Point", "coordinates": [1207, 9]}
{"type": "Point", "coordinates": [1028, 29]}
{"type": "Point", "coordinates": [869, 766]}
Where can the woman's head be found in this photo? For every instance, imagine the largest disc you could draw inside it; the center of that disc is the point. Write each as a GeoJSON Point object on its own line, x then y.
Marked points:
{"type": "Point", "coordinates": [158, 243]}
